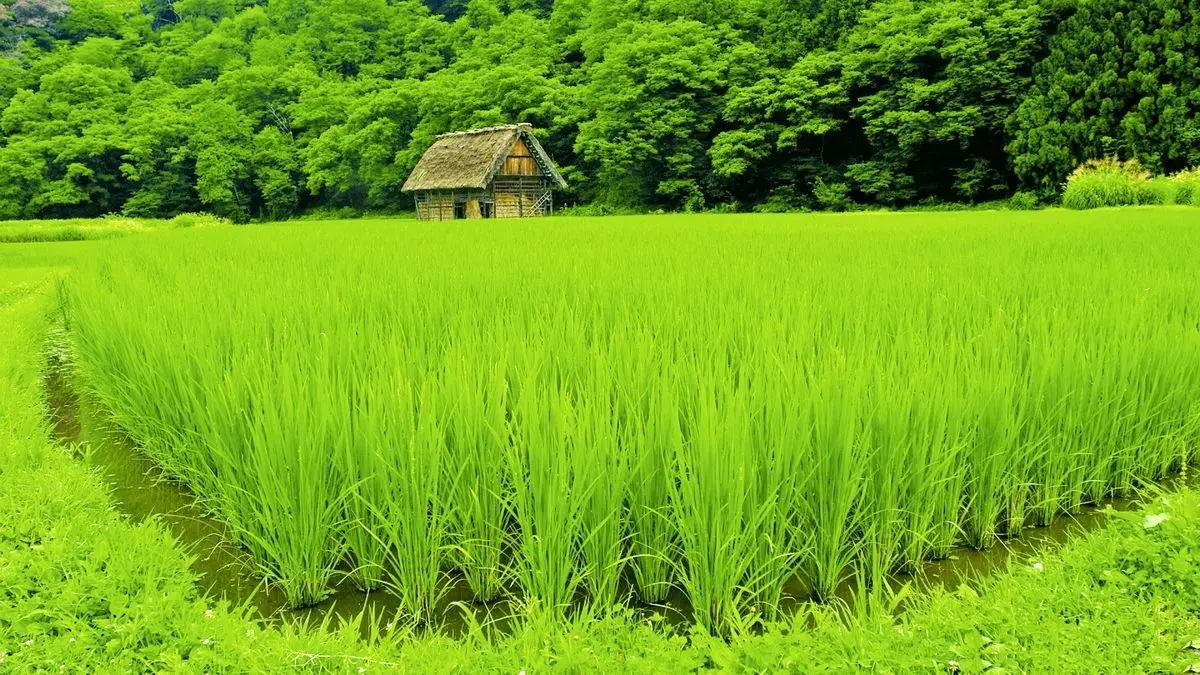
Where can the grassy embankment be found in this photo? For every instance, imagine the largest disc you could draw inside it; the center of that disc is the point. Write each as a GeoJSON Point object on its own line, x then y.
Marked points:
{"type": "Point", "coordinates": [82, 229]}
{"type": "Point", "coordinates": [85, 587]}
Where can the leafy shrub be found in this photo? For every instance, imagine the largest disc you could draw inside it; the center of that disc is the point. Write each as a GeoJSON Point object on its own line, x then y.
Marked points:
{"type": "Point", "coordinates": [1158, 190]}
{"type": "Point", "coordinates": [332, 213]}
{"type": "Point", "coordinates": [782, 199]}
{"type": "Point", "coordinates": [198, 220]}
{"type": "Point", "coordinates": [1024, 201]}
{"type": "Point", "coordinates": [78, 229]}
{"type": "Point", "coordinates": [936, 205]}
{"type": "Point", "coordinates": [832, 196]}
{"type": "Point", "coordinates": [1161, 551]}
{"type": "Point", "coordinates": [1110, 182]}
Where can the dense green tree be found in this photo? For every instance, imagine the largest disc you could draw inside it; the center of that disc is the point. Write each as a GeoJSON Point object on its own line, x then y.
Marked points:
{"type": "Point", "coordinates": [276, 171]}
{"type": "Point", "coordinates": [785, 132]}
{"type": "Point", "coordinates": [70, 129]}
{"type": "Point", "coordinates": [1121, 79]}
{"type": "Point", "coordinates": [912, 105]}
{"type": "Point", "coordinates": [106, 18]}
{"type": "Point", "coordinates": [933, 83]}
{"type": "Point", "coordinates": [656, 97]}
{"type": "Point", "coordinates": [160, 171]}
{"type": "Point", "coordinates": [266, 108]}
{"type": "Point", "coordinates": [354, 162]}
{"type": "Point", "coordinates": [221, 143]}
{"type": "Point", "coordinates": [793, 28]}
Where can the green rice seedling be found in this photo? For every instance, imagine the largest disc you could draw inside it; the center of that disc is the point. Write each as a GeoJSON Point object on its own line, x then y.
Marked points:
{"type": "Point", "coordinates": [712, 403]}
{"type": "Point", "coordinates": [1162, 406]}
{"type": "Point", "coordinates": [650, 432]}
{"type": "Point", "coordinates": [292, 501]}
{"type": "Point", "coordinates": [933, 477]}
{"type": "Point", "coordinates": [368, 488]}
{"type": "Point", "coordinates": [831, 502]}
{"type": "Point", "coordinates": [477, 398]}
{"type": "Point", "coordinates": [987, 465]}
{"type": "Point", "coordinates": [414, 515]}
{"type": "Point", "coordinates": [890, 457]}
{"type": "Point", "coordinates": [781, 434]}
{"type": "Point", "coordinates": [548, 497]}
{"type": "Point", "coordinates": [1048, 434]}
{"type": "Point", "coordinates": [716, 519]}
{"type": "Point", "coordinates": [603, 469]}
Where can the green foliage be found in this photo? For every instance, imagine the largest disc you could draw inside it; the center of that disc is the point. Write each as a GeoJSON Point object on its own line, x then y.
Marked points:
{"type": "Point", "coordinates": [1117, 81]}
{"type": "Point", "coordinates": [108, 227]}
{"type": "Point", "coordinates": [656, 98]}
{"type": "Point", "coordinates": [268, 110]}
{"type": "Point", "coordinates": [1024, 201]}
{"type": "Point", "coordinates": [1108, 182]}
{"type": "Point", "coordinates": [832, 196]}
{"type": "Point", "coordinates": [911, 106]}
{"type": "Point", "coordinates": [197, 220]}
{"type": "Point", "coordinates": [937, 80]}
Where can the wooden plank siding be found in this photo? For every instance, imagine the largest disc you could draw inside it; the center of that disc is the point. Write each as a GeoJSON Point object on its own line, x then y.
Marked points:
{"type": "Point", "coordinates": [520, 162]}
{"type": "Point", "coordinates": [517, 196]}
{"type": "Point", "coordinates": [435, 206]}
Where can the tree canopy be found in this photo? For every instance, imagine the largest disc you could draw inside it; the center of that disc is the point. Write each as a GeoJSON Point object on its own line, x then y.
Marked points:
{"type": "Point", "coordinates": [268, 108]}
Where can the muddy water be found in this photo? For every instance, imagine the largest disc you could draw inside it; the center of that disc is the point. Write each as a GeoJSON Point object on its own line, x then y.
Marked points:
{"type": "Point", "coordinates": [225, 572]}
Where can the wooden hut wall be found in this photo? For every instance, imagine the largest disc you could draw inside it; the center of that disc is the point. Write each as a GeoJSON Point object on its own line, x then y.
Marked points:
{"type": "Point", "coordinates": [435, 206]}
{"type": "Point", "coordinates": [520, 161]}
{"type": "Point", "coordinates": [518, 197]}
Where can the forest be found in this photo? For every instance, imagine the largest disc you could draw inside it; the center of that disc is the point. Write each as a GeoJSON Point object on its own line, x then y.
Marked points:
{"type": "Point", "coordinates": [271, 109]}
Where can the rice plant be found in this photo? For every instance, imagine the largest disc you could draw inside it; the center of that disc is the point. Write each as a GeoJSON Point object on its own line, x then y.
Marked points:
{"type": "Point", "coordinates": [477, 401]}
{"type": "Point", "coordinates": [616, 410]}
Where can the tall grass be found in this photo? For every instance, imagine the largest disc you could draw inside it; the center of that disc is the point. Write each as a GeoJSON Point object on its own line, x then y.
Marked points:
{"type": "Point", "coordinates": [1186, 187]}
{"type": "Point", "coordinates": [1111, 182]}
{"type": "Point", "coordinates": [617, 409]}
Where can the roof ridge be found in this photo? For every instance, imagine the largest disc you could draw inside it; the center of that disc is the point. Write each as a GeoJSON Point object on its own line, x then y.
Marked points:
{"type": "Point", "coordinates": [484, 130]}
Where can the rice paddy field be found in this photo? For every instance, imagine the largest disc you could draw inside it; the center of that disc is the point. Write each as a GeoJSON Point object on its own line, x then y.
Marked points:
{"type": "Point", "coordinates": [607, 412]}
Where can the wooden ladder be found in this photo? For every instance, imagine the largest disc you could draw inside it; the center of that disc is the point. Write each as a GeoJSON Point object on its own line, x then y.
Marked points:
{"type": "Point", "coordinates": [540, 208]}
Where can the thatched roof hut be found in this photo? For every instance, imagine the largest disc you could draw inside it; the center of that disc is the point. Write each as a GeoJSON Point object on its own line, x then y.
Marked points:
{"type": "Point", "coordinates": [496, 172]}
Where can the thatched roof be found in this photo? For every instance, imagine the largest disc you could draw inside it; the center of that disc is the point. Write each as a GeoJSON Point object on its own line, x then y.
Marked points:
{"type": "Point", "coordinates": [469, 159]}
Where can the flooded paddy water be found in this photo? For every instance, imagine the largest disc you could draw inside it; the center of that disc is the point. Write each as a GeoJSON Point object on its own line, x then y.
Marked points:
{"type": "Point", "coordinates": [141, 491]}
